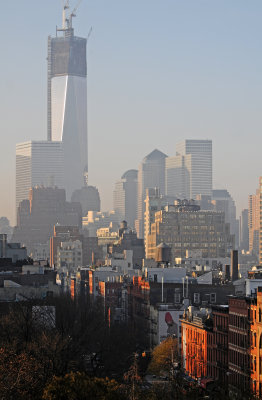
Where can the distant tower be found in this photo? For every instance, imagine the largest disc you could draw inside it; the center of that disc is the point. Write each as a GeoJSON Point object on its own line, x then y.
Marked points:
{"type": "Point", "coordinates": [67, 100]}
{"type": "Point", "coordinates": [223, 201]}
{"type": "Point", "coordinates": [125, 197]}
{"type": "Point", "coordinates": [243, 230]}
{"type": "Point", "coordinates": [197, 155]}
{"type": "Point", "coordinates": [178, 177]}
{"type": "Point", "coordinates": [254, 221]}
{"type": "Point", "coordinates": [151, 174]}
{"type": "Point", "coordinates": [38, 163]}
{"type": "Point", "coordinates": [88, 197]}
{"type": "Point", "coordinates": [234, 265]}
{"type": "Point", "coordinates": [260, 221]}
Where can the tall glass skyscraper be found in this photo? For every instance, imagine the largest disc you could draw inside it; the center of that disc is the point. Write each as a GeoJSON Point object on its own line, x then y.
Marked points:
{"type": "Point", "coordinates": [125, 197]}
{"type": "Point", "coordinates": [38, 163]}
{"type": "Point", "coordinates": [67, 101]}
{"type": "Point", "coordinates": [189, 173]}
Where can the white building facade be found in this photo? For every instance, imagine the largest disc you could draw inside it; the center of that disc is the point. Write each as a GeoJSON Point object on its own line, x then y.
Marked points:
{"type": "Point", "coordinates": [125, 197]}
{"type": "Point", "coordinates": [197, 167]}
{"type": "Point", "coordinates": [67, 103]}
{"type": "Point", "coordinates": [38, 163]}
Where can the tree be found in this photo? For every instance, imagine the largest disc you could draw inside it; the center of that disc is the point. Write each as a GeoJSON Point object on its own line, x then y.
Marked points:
{"type": "Point", "coordinates": [165, 357]}
{"type": "Point", "coordinates": [59, 335]}
{"type": "Point", "coordinates": [21, 376]}
{"type": "Point", "coordinates": [78, 386]}
{"type": "Point", "coordinates": [133, 379]}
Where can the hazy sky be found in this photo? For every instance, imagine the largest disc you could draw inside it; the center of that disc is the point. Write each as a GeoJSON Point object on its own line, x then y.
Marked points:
{"type": "Point", "coordinates": [159, 71]}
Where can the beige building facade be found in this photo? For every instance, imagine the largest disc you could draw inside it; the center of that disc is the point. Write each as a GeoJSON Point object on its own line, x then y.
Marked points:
{"type": "Point", "coordinates": [189, 228]}
{"type": "Point", "coordinates": [254, 221]}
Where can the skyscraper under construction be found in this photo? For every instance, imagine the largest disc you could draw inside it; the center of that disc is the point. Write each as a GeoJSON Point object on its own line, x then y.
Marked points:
{"type": "Point", "coordinates": [67, 99]}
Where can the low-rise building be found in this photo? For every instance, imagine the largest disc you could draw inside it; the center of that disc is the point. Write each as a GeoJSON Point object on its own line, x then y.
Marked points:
{"type": "Point", "coordinates": [11, 250]}
{"type": "Point", "coordinates": [95, 220]}
{"type": "Point", "coordinates": [255, 363]}
{"type": "Point", "coordinates": [218, 359]}
{"type": "Point", "coordinates": [120, 262]}
{"type": "Point", "coordinates": [102, 274]}
{"type": "Point", "coordinates": [128, 240]}
{"type": "Point", "coordinates": [69, 255]}
{"type": "Point", "coordinates": [238, 344]}
{"type": "Point", "coordinates": [195, 327]}
{"type": "Point", "coordinates": [114, 295]}
{"type": "Point", "coordinates": [165, 275]}
{"type": "Point", "coordinates": [165, 321]}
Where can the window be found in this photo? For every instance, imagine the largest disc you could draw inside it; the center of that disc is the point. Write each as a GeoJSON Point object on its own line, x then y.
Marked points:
{"type": "Point", "coordinates": [213, 297]}
{"type": "Point", "coordinates": [197, 298]}
{"type": "Point", "coordinates": [177, 298]}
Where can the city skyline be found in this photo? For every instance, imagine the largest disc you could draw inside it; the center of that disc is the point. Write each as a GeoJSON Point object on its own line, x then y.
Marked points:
{"type": "Point", "coordinates": [137, 112]}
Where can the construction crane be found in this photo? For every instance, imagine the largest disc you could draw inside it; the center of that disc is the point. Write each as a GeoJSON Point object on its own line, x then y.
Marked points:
{"type": "Point", "coordinates": [67, 19]}
{"type": "Point", "coordinates": [72, 14]}
{"type": "Point", "coordinates": [65, 6]}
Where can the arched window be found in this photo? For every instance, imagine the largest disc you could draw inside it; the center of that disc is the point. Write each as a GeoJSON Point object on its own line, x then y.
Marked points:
{"type": "Point", "coordinates": [260, 342]}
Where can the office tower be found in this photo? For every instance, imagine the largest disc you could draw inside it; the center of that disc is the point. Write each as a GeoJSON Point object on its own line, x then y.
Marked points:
{"type": "Point", "coordinates": [198, 163]}
{"type": "Point", "coordinates": [205, 202]}
{"type": "Point", "coordinates": [254, 222]}
{"type": "Point", "coordinates": [260, 221]}
{"type": "Point", "coordinates": [67, 100]}
{"type": "Point", "coordinates": [183, 226]}
{"type": "Point", "coordinates": [37, 216]}
{"type": "Point", "coordinates": [89, 198]}
{"type": "Point", "coordinates": [38, 163]}
{"type": "Point", "coordinates": [223, 201]}
{"type": "Point", "coordinates": [151, 173]}
{"type": "Point", "coordinates": [125, 197]}
{"type": "Point", "coordinates": [177, 177]}
{"type": "Point", "coordinates": [154, 202]}
{"type": "Point", "coordinates": [234, 265]}
{"type": "Point", "coordinates": [243, 230]}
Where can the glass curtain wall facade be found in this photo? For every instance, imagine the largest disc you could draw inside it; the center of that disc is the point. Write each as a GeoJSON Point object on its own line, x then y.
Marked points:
{"type": "Point", "coordinates": [67, 104]}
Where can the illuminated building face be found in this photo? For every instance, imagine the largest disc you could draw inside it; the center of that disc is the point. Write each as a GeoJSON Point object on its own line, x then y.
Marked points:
{"type": "Point", "coordinates": [67, 105]}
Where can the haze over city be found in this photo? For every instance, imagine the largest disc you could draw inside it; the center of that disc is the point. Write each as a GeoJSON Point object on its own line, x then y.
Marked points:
{"type": "Point", "coordinates": [157, 73]}
{"type": "Point", "coordinates": [130, 207]}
